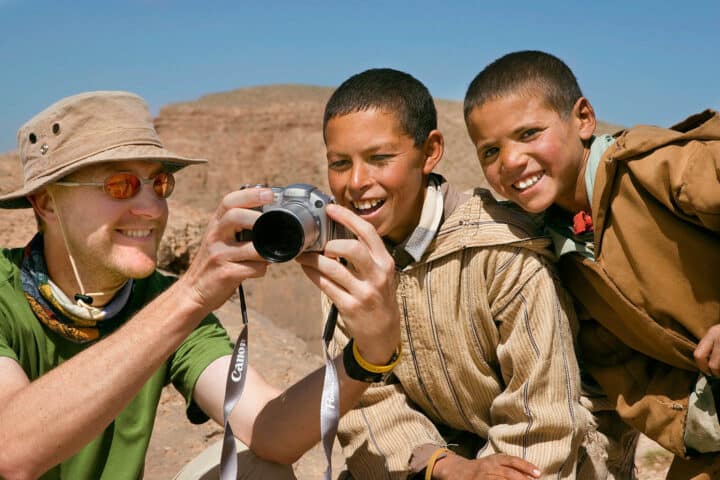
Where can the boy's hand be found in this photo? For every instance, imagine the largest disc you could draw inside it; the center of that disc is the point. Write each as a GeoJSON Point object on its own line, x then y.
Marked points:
{"type": "Point", "coordinates": [498, 466]}
{"type": "Point", "coordinates": [707, 353]}
{"type": "Point", "coordinates": [364, 290]}
{"type": "Point", "coordinates": [222, 263]}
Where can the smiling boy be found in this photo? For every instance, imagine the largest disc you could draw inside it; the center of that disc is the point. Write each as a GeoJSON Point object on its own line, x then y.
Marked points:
{"type": "Point", "coordinates": [487, 367]}
{"type": "Point", "coordinates": [636, 222]}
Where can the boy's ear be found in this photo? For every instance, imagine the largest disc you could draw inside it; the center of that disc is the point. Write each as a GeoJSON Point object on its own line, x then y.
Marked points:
{"type": "Point", "coordinates": [433, 148]}
{"type": "Point", "coordinates": [584, 115]}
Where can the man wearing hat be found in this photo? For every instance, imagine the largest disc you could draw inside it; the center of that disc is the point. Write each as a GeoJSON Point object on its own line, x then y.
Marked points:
{"type": "Point", "coordinates": [90, 332]}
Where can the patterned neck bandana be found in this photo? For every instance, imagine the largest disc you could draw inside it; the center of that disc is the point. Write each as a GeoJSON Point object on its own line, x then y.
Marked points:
{"type": "Point", "coordinates": [413, 248]}
{"type": "Point", "coordinates": [77, 322]}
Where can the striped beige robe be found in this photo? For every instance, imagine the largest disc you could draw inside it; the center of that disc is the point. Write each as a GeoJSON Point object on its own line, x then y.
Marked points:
{"type": "Point", "coordinates": [487, 339]}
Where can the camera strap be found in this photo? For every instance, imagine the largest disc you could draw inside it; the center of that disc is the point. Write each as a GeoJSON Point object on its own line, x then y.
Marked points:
{"type": "Point", "coordinates": [235, 383]}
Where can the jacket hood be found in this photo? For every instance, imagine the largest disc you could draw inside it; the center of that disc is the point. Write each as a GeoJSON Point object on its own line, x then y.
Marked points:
{"type": "Point", "coordinates": [702, 126]}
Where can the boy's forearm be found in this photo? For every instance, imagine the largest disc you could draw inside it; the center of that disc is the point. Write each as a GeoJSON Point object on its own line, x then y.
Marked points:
{"type": "Point", "coordinates": [289, 425]}
{"type": "Point", "coordinates": [69, 406]}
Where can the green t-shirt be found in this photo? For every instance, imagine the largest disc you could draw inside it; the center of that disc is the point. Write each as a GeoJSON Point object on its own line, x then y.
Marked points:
{"type": "Point", "coordinates": [119, 452]}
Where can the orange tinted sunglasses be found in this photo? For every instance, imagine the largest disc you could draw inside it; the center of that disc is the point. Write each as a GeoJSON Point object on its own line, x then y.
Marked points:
{"type": "Point", "coordinates": [122, 186]}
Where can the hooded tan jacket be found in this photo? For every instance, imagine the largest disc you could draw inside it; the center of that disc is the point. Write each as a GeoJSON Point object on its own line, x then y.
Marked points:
{"type": "Point", "coordinates": [654, 288]}
{"type": "Point", "coordinates": [488, 353]}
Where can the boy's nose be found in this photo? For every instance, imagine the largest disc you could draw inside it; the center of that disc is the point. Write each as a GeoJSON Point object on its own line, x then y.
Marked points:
{"type": "Point", "coordinates": [511, 159]}
{"type": "Point", "coordinates": [359, 178]}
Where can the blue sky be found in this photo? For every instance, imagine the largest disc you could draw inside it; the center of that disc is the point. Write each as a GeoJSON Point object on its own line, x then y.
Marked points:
{"type": "Point", "coordinates": [638, 62]}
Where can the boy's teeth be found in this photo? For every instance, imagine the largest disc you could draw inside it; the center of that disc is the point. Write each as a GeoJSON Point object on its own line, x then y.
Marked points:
{"type": "Point", "coordinates": [528, 182]}
{"type": "Point", "coordinates": [136, 233]}
{"type": "Point", "coordinates": [366, 204]}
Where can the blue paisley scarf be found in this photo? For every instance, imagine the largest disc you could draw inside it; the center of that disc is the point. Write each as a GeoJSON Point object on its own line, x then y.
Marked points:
{"type": "Point", "coordinates": [77, 322]}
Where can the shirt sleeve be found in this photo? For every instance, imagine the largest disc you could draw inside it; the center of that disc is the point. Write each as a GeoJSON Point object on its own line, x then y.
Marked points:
{"type": "Point", "coordinates": [5, 350]}
{"type": "Point", "coordinates": [537, 416]}
{"type": "Point", "coordinates": [699, 192]}
{"type": "Point", "coordinates": [380, 435]}
{"type": "Point", "coordinates": [10, 303]}
{"type": "Point", "coordinates": [685, 178]}
{"type": "Point", "coordinates": [208, 342]}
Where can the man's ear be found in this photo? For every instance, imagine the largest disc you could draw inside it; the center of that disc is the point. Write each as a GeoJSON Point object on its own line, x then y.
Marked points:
{"type": "Point", "coordinates": [433, 148]}
{"type": "Point", "coordinates": [44, 206]}
{"type": "Point", "coordinates": [584, 114]}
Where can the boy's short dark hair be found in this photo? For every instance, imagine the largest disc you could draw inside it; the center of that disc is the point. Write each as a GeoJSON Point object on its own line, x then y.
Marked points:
{"type": "Point", "coordinates": [389, 90]}
{"type": "Point", "coordinates": [528, 71]}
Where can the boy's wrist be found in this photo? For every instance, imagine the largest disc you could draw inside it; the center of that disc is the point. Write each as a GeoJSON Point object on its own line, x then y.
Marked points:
{"type": "Point", "coordinates": [377, 354]}
{"type": "Point", "coordinates": [436, 465]}
{"type": "Point", "coordinates": [358, 368]}
{"type": "Point", "coordinates": [378, 348]}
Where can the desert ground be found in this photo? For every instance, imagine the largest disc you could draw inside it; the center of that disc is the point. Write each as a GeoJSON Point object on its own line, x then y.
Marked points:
{"type": "Point", "coordinates": [268, 135]}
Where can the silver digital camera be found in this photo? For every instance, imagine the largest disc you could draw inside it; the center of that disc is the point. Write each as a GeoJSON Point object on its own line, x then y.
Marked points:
{"type": "Point", "coordinates": [294, 222]}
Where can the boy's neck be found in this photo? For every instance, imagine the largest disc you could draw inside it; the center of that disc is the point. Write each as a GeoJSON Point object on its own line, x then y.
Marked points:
{"type": "Point", "coordinates": [579, 201]}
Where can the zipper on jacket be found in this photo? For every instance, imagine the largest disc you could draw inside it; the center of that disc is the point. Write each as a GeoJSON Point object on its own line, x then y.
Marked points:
{"type": "Point", "coordinates": [439, 351]}
{"type": "Point", "coordinates": [415, 361]}
{"type": "Point", "coordinates": [470, 312]}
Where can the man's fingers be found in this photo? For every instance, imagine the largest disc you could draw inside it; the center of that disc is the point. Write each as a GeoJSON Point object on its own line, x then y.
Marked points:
{"type": "Point", "coordinates": [246, 198]}
{"type": "Point", "coordinates": [252, 269]}
{"type": "Point", "coordinates": [236, 220]}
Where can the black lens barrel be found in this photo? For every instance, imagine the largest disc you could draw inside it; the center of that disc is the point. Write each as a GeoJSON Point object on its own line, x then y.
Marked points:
{"type": "Point", "coordinates": [278, 236]}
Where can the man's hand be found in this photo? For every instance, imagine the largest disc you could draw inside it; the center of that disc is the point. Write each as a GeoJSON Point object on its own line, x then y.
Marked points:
{"type": "Point", "coordinates": [707, 353]}
{"type": "Point", "coordinates": [222, 263]}
{"type": "Point", "coordinates": [498, 466]}
{"type": "Point", "coordinates": [364, 293]}
{"type": "Point", "coordinates": [364, 290]}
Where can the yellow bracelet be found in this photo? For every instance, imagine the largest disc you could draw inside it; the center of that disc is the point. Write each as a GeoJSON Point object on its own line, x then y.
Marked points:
{"type": "Point", "coordinates": [377, 368]}
{"type": "Point", "coordinates": [441, 452]}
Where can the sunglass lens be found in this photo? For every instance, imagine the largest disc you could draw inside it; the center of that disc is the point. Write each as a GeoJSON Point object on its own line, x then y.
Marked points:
{"type": "Point", "coordinates": [164, 184]}
{"type": "Point", "coordinates": [122, 185]}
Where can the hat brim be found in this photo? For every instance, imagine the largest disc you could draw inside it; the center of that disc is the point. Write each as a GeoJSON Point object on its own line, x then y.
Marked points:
{"type": "Point", "coordinates": [171, 161]}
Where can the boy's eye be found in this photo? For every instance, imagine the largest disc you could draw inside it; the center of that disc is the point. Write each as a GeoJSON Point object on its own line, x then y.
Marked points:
{"type": "Point", "coordinates": [339, 164]}
{"type": "Point", "coordinates": [380, 157]}
{"type": "Point", "coordinates": [530, 132]}
{"type": "Point", "coordinates": [490, 152]}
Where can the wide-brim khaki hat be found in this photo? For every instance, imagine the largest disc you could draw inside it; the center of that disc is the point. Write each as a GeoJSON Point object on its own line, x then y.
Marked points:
{"type": "Point", "coordinates": [87, 129]}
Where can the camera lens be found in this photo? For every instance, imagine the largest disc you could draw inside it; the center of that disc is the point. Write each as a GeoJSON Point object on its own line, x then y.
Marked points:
{"type": "Point", "coordinates": [278, 235]}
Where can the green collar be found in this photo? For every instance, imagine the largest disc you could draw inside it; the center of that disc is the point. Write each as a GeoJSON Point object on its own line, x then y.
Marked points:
{"type": "Point", "coordinates": [597, 149]}
{"type": "Point", "coordinates": [559, 223]}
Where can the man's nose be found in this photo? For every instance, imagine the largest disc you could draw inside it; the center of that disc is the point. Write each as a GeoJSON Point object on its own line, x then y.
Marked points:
{"type": "Point", "coordinates": [147, 203]}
